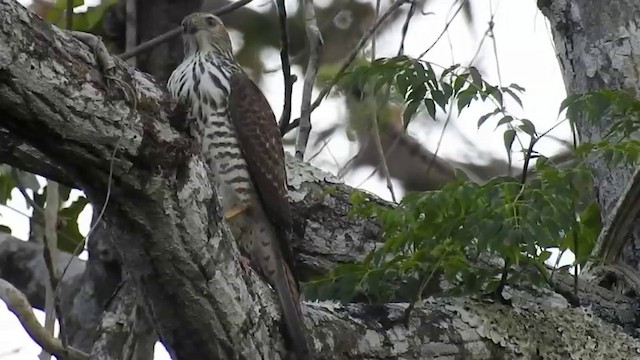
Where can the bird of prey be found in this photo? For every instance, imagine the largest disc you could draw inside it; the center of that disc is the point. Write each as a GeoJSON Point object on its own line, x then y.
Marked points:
{"type": "Point", "coordinates": [242, 145]}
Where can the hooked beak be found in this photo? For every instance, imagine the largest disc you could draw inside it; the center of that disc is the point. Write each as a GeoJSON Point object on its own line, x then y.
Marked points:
{"type": "Point", "coordinates": [189, 28]}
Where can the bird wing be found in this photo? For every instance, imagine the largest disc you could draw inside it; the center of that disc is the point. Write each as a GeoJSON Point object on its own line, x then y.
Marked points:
{"type": "Point", "coordinates": [261, 144]}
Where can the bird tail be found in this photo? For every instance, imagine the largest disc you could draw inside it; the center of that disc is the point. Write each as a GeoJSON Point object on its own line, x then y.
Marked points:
{"type": "Point", "coordinates": [287, 289]}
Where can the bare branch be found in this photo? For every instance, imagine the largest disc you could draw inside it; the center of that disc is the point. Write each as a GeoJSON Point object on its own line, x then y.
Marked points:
{"type": "Point", "coordinates": [444, 31]}
{"type": "Point", "coordinates": [19, 305]}
{"type": "Point", "coordinates": [314, 38]}
{"type": "Point", "coordinates": [285, 118]}
{"type": "Point", "coordinates": [175, 32]}
{"type": "Point", "coordinates": [374, 107]}
{"type": "Point", "coordinates": [69, 15]}
{"type": "Point", "coordinates": [50, 257]}
{"type": "Point", "coordinates": [383, 158]}
{"type": "Point", "coordinates": [347, 62]}
{"type": "Point", "coordinates": [405, 26]}
{"type": "Point", "coordinates": [131, 29]}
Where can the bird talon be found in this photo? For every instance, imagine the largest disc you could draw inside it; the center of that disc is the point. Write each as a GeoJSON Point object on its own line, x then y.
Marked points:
{"type": "Point", "coordinates": [245, 264]}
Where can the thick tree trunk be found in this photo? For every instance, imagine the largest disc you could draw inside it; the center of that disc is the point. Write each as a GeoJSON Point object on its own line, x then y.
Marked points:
{"type": "Point", "coordinates": [597, 46]}
{"type": "Point", "coordinates": [66, 117]}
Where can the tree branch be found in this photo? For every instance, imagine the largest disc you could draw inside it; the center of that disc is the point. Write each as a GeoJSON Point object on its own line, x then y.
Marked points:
{"type": "Point", "coordinates": [285, 118]}
{"type": "Point", "coordinates": [347, 62]}
{"type": "Point", "coordinates": [175, 32]}
{"type": "Point", "coordinates": [314, 38]}
{"type": "Point", "coordinates": [19, 305]}
{"type": "Point", "coordinates": [22, 264]}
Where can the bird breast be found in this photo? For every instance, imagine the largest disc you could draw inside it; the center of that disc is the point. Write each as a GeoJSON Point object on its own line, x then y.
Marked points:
{"type": "Point", "coordinates": [203, 83]}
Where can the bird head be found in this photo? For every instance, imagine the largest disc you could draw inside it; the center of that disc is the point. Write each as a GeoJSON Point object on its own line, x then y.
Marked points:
{"type": "Point", "coordinates": [203, 32]}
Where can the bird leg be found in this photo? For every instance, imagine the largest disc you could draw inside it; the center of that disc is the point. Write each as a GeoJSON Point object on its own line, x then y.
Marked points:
{"type": "Point", "coordinates": [102, 56]}
{"type": "Point", "coordinates": [235, 211]}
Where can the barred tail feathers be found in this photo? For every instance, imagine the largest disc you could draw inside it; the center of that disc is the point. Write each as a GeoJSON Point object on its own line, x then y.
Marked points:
{"type": "Point", "coordinates": [287, 289]}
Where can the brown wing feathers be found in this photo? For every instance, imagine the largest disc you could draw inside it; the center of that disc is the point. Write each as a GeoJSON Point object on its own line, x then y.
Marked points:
{"type": "Point", "coordinates": [261, 144]}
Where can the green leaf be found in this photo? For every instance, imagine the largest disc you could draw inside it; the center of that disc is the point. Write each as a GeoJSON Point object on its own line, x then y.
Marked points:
{"type": "Point", "coordinates": [475, 77]}
{"type": "Point", "coordinates": [68, 225]}
{"type": "Point", "coordinates": [28, 180]}
{"type": "Point", "coordinates": [459, 82]}
{"type": "Point", "coordinates": [544, 256]}
{"type": "Point", "coordinates": [411, 109]}
{"type": "Point", "coordinates": [448, 70]}
{"type": "Point", "coordinates": [403, 83]}
{"type": "Point", "coordinates": [461, 175]}
{"type": "Point", "coordinates": [517, 87]}
{"type": "Point", "coordinates": [431, 107]}
{"type": "Point", "coordinates": [465, 97]}
{"type": "Point", "coordinates": [514, 96]}
{"type": "Point", "coordinates": [590, 227]}
{"type": "Point", "coordinates": [509, 137]}
{"type": "Point", "coordinates": [496, 94]}
{"type": "Point", "coordinates": [528, 127]}
{"type": "Point", "coordinates": [440, 99]}
{"type": "Point", "coordinates": [570, 100]}
{"type": "Point", "coordinates": [505, 120]}
{"type": "Point", "coordinates": [486, 116]}
{"type": "Point", "coordinates": [64, 192]}
{"type": "Point", "coordinates": [447, 90]}
{"type": "Point", "coordinates": [6, 186]}
{"type": "Point", "coordinates": [62, 4]}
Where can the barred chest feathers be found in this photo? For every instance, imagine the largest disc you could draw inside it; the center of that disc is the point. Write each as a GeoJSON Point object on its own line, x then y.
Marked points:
{"type": "Point", "coordinates": [202, 81]}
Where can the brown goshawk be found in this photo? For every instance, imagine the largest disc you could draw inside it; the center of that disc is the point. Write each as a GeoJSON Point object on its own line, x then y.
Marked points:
{"type": "Point", "coordinates": [242, 145]}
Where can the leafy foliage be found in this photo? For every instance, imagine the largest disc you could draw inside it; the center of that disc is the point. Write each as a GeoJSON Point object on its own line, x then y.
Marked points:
{"type": "Point", "coordinates": [88, 21]}
{"type": "Point", "coordinates": [478, 236]}
{"type": "Point", "coordinates": [421, 87]}
{"type": "Point", "coordinates": [69, 236]}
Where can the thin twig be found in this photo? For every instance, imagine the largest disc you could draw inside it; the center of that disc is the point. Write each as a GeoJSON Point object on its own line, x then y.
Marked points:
{"type": "Point", "coordinates": [390, 149]}
{"type": "Point", "coordinates": [51, 304]}
{"type": "Point", "coordinates": [131, 31]}
{"type": "Point", "coordinates": [383, 159]}
{"type": "Point", "coordinates": [405, 26]}
{"type": "Point", "coordinates": [18, 304]}
{"type": "Point", "coordinates": [69, 15]}
{"type": "Point", "coordinates": [491, 34]}
{"type": "Point", "coordinates": [348, 166]}
{"type": "Point", "coordinates": [285, 118]}
{"type": "Point", "coordinates": [444, 129]}
{"type": "Point", "coordinates": [15, 210]}
{"type": "Point", "coordinates": [444, 31]}
{"type": "Point", "coordinates": [325, 143]}
{"type": "Point", "coordinates": [374, 107]}
{"type": "Point", "coordinates": [315, 44]}
{"type": "Point", "coordinates": [176, 31]}
{"type": "Point", "coordinates": [347, 62]}
{"type": "Point", "coordinates": [50, 252]}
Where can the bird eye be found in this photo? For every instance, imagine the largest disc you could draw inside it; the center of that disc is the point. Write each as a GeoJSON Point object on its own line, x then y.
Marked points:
{"type": "Point", "coordinates": [211, 21]}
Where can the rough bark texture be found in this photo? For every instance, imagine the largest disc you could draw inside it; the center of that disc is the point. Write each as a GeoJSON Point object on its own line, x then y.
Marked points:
{"type": "Point", "coordinates": [598, 46]}
{"type": "Point", "coordinates": [88, 299]}
{"type": "Point", "coordinates": [163, 219]}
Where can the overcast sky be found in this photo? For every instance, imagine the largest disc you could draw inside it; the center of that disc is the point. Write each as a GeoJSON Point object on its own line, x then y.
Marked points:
{"type": "Point", "coordinates": [526, 56]}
